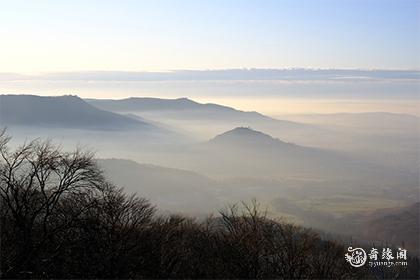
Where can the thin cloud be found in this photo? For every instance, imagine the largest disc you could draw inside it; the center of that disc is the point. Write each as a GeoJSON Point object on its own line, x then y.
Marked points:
{"type": "Point", "coordinates": [224, 75]}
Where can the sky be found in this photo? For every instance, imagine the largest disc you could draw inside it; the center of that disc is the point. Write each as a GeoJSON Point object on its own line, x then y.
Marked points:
{"type": "Point", "coordinates": [89, 35]}
{"type": "Point", "coordinates": [223, 51]}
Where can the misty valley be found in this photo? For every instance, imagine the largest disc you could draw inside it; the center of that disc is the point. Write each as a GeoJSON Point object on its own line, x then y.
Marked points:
{"type": "Point", "coordinates": [351, 176]}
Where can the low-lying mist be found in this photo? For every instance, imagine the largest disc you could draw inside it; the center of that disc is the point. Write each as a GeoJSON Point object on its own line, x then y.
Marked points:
{"type": "Point", "coordinates": [335, 172]}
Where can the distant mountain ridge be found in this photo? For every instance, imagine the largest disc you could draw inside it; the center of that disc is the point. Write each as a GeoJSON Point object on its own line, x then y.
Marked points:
{"type": "Point", "coordinates": [179, 108]}
{"type": "Point", "coordinates": [61, 111]}
{"type": "Point", "coordinates": [151, 103]}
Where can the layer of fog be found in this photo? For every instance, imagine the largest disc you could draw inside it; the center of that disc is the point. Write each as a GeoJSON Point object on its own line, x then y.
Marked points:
{"type": "Point", "coordinates": [321, 170]}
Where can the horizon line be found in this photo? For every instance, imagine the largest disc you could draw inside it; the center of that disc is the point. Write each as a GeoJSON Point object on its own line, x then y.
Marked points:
{"type": "Point", "coordinates": [210, 70]}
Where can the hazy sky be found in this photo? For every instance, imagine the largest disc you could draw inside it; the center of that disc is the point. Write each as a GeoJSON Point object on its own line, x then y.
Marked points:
{"type": "Point", "coordinates": [116, 49]}
{"type": "Point", "coordinates": [54, 36]}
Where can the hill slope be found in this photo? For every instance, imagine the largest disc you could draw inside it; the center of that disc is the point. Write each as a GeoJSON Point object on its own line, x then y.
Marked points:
{"type": "Point", "coordinates": [172, 189]}
{"type": "Point", "coordinates": [400, 225]}
{"type": "Point", "coordinates": [180, 108]}
{"type": "Point", "coordinates": [243, 151]}
{"type": "Point", "coordinates": [205, 120]}
{"type": "Point", "coordinates": [61, 111]}
{"type": "Point", "coordinates": [241, 136]}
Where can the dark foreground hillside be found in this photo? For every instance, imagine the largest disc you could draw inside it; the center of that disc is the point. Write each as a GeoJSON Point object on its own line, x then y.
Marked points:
{"type": "Point", "coordinates": [61, 219]}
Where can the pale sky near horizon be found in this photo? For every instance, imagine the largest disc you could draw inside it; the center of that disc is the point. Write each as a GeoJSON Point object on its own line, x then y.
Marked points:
{"type": "Point", "coordinates": [84, 35]}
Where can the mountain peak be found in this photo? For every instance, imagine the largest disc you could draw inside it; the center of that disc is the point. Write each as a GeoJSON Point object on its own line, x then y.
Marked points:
{"type": "Point", "coordinates": [185, 99]}
{"type": "Point", "coordinates": [242, 130]}
{"type": "Point", "coordinates": [246, 135]}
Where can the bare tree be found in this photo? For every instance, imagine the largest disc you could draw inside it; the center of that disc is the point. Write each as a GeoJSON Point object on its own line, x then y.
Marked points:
{"type": "Point", "coordinates": [34, 180]}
